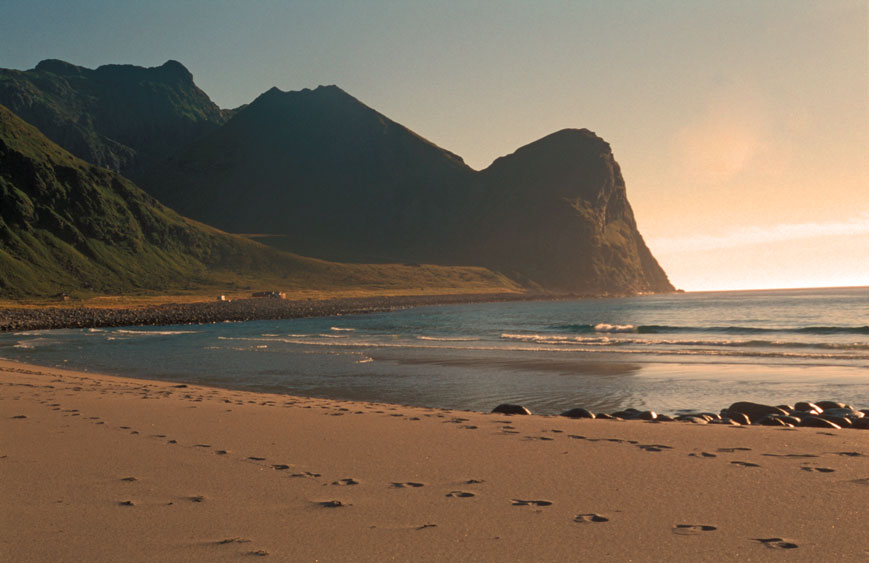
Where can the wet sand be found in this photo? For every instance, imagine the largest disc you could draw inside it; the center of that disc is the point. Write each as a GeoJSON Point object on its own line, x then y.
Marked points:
{"type": "Point", "coordinates": [104, 468]}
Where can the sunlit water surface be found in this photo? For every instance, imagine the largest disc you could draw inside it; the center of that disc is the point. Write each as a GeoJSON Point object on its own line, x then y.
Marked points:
{"type": "Point", "coordinates": [670, 353]}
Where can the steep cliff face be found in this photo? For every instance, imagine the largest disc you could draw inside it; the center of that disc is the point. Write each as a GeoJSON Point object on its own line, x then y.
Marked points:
{"type": "Point", "coordinates": [123, 117]}
{"type": "Point", "coordinates": [556, 213]}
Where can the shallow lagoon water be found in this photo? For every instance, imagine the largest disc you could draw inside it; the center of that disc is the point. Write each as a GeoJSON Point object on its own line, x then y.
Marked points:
{"type": "Point", "coordinates": [673, 353]}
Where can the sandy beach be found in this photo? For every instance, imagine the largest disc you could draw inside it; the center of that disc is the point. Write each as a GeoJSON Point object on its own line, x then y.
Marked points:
{"type": "Point", "coordinates": [100, 468]}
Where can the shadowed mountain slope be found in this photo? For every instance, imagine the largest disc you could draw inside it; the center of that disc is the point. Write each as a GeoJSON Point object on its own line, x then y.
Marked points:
{"type": "Point", "coordinates": [67, 225]}
{"type": "Point", "coordinates": [122, 117]}
{"type": "Point", "coordinates": [341, 181]}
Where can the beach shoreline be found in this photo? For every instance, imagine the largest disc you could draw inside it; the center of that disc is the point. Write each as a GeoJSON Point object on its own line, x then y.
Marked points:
{"type": "Point", "coordinates": [108, 468]}
{"type": "Point", "coordinates": [59, 316]}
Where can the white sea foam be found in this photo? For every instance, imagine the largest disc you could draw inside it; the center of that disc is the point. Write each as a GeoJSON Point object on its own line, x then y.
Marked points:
{"type": "Point", "coordinates": [549, 347]}
{"type": "Point", "coordinates": [339, 329]}
{"type": "Point", "coordinates": [606, 327]}
{"type": "Point", "coordinates": [449, 339]}
{"type": "Point", "coordinates": [155, 332]}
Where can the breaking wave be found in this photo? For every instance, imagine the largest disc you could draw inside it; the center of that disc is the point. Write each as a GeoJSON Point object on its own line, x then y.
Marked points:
{"type": "Point", "coordinates": [664, 329]}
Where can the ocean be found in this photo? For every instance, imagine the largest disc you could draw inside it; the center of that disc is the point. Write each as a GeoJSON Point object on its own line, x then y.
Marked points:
{"type": "Point", "coordinates": [669, 353]}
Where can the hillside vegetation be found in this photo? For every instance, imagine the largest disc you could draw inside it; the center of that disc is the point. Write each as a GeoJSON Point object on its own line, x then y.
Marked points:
{"type": "Point", "coordinates": [70, 226]}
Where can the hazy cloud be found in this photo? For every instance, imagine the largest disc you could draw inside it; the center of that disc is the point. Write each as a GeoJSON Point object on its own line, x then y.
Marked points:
{"type": "Point", "coordinates": [755, 235]}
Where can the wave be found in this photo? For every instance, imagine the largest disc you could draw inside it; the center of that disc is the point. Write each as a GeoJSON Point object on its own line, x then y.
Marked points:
{"type": "Point", "coordinates": [339, 329]}
{"type": "Point", "coordinates": [543, 346]}
{"type": "Point", "coordinates": [607, 341]}
{"type": "Point", "coordinates": [449, 338]}
{"type": "Point", "coordinates": [155, 332]}
{"type": "Point", "coordinates": [664, 329]}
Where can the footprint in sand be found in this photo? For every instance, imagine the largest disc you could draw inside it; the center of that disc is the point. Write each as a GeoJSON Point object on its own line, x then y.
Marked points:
{"type": "Point", "coordinates": [850, 454]}
{"type": "Point", "coordinates": [702, 454]}
{"type": "Point", "coordinates": [129, 479]}
{"type": "Point", "coordinates": [345, 482]}
{"type": "Point", "coordinates": [654, 447]}
{"type": "Point", "coordinates": [520, 502]}
{"type": "Point", "coordinates": [280, 466]}
{"type": "Point", "coordinates": [460, 494]}
{"type": "Point", "coordinates": [197, 498]}
{"type": "Point", "coordinates": [20, 416]}
{"type": "Point", "coordinates": [590, 518]}
{"type": "Point", "coordinates": [776, 543]}
{"type": "Point", "coordinates": [818, 469]}
{"type": "Point", "coordinates": [258, 552]}
{"type": "Point", "coordinates": [692, 529]}
{"type": "Point", "coordinates": [256, 458]}
{"type": "Point", "coordinates": [474, 481]}
{"type": "Point", "coordinates": [305, 474]}
{"type": "Point", "coordinates": [744, 463]}
{"type": "Point", "coordinates": [233, 540]}
{"type": "Point", "coordinates": [731, 450]}
{"type": "Point", "coordinates": [332, 504]}
{"type": "Point", "coordinates": [126, 503]}
{"type": "Point", "coordinates": [406, 484]}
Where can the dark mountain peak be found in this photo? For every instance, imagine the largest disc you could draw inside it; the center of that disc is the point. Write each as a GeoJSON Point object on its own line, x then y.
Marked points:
{"type": "Point", "coordinates": [171, 71]}
{"type": "Point", "coordinates": [175, 69]}
{"type": "Point", "coordinates": [321, 94]}
{"type": "Point", "coordinates": [123, 117]}
{"type": "Point", "coordinates": [563, 144]}
{"type": "Point", "coordinates": [57, 66]}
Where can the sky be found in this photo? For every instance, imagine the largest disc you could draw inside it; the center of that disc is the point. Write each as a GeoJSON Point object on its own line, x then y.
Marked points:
{"type": "Point", "coordinates": [741, 127]}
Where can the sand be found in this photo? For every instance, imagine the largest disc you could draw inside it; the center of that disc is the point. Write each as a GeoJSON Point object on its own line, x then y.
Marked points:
{"type": "Point", "coordinates": [99, 468]}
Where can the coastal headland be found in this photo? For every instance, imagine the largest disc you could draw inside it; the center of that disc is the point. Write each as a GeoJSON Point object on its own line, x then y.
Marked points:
{"type": "Point", "coordinates": [106, 468]}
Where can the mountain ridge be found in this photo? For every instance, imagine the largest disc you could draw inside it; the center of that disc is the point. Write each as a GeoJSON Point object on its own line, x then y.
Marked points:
{"type": "Point", "coordinates": [333, 178]}
{"type": "Point", "coordinates": [277, 166]}
{"type": "Point", "coordinates": [68, 226]}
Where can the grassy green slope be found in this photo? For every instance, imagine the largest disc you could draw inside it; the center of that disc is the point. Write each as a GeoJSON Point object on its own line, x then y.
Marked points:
{"type": "Point", "coordinates": [69, 226]}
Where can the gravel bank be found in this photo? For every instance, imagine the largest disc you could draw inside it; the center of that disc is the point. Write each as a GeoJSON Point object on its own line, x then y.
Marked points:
{"type": "Point", "coordinates": [219, 311]}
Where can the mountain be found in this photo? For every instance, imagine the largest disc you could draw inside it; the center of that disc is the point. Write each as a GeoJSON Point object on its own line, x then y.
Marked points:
{"type": "Point", "coordinates": [69, 226]}
{"type": "Point", "coordinates": [339, 180]}
{"type": "Point", "coordinates": [122, 117]}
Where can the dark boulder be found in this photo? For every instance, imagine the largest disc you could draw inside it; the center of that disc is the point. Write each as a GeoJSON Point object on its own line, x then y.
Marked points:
{"type": "Point", "coordinates": [772, 420]}
{"type": "Point", "coordinates": [738, 417]}
{"type": "Point", "coordinates": [754, 411]}
{"type": "Point", "coordinates": [507, 408]}
{"type": "Point", "coordinates": [831, 405]}
{"type": "Point", "coordinates": [816, 422]}
{"type": "Point", "coordinates": [842, 421]}
{"type": "Point", "coordinates": [807, 406]}
{"type": "Point", "coordinates": [578, 412]}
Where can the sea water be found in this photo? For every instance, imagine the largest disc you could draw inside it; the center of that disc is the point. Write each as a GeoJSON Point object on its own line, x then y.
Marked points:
{"type": "Point", "coordinates": [669, 353]}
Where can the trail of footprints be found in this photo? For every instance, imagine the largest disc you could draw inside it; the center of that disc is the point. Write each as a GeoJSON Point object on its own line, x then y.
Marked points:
{"type": "Point", "coordinates": [506, 427]}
